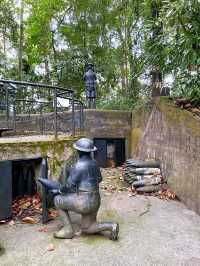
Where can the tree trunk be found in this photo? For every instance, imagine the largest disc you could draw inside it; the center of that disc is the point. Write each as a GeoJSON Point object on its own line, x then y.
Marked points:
{"type": "Point", "coordinates": [156, 75]}
{"type": "Point", "coordinates": [21, 40]}
{"type": "Point", "coordinates": [156, 82]}
{"type": "Point", "coordinates": [47, 76]}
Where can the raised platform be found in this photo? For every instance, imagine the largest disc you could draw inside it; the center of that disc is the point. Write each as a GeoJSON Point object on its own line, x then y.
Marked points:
{"type": "Point", "coordinates": [33, 138]}
{"type": "Point", "coordinates": [58, 151]}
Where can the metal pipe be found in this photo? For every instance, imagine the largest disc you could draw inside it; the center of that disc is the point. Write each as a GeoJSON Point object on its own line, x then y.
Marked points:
{"type": "Point", "coordinates": [55, 114]}
{"type": "Point", "coordinates": [7, 104]}
{"type": "Point", "coordinates": [14, 116]}
{"type": "Point", "coordinates": [73, 117]}
{"type": "Point", "coordinates": [25, 83]}
{"type": "Point", "coordinates": [62, 93]}
{"type": "Point", "coordinates": [41, 121]}
{"type": "Point", "coordinates": [31, 101]}
{"type": "Point", "coordinates": [82, 119]}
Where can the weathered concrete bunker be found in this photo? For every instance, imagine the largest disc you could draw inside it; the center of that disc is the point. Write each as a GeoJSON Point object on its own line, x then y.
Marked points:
{"type": "Point", "coordinates": [158, 131]}
{"type": "Point", "coordinates": [21, 155]}
{"type": "Point", "coordinates": [20, 164]}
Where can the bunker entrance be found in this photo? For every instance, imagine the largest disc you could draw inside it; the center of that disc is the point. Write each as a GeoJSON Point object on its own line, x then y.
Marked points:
{"type": "Point", "coordinates": [17, 179]}
{"type": "Point", "coordinates": [24, 177]}
{"type": "Point", "coordinates": [110, 153]}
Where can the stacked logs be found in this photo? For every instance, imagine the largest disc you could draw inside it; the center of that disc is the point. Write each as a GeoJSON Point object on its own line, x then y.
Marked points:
{"type": "Point", "coordinates": [143, 176]}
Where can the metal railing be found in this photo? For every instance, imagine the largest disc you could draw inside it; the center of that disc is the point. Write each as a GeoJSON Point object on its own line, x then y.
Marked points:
{"type": "Point", "coordinates": [24, 103]}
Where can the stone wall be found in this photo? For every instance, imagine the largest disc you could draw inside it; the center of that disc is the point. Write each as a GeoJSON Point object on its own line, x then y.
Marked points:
{"type": "Point", "coordinates": [171, 135]}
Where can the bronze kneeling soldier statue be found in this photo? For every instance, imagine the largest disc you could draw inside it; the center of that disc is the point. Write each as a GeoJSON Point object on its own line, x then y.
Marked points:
{"type": "Point", "coordinates": [81, 194]}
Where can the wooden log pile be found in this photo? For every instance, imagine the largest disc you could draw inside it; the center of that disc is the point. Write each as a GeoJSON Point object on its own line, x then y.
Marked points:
{"type": "Point", "coordinates": [143, 176]}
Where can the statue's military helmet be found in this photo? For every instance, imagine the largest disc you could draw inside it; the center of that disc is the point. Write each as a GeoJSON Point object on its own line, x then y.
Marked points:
{"type": "Point", "coordinates": [85, 145]}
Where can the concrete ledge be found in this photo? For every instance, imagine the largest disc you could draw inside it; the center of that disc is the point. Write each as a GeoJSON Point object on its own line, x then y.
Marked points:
{"type": "Point", "coordinates": [59, 152]}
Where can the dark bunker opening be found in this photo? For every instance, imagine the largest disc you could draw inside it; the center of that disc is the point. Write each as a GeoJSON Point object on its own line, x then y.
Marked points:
{"type": "Point", "coordinates": [24, 177]}
{"type": "Point", "coordinates": [17, 179]}
{"type": "Point", "coordinates": [110, 153]}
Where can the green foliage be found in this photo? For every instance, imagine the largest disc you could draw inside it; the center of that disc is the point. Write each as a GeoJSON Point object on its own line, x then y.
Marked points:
{"type": "Point", "coordinates": [187, 85]}
{"type": "Point", "coordinates": [176, 49]}
{"type": "Point", "coordinates": [126, 40]}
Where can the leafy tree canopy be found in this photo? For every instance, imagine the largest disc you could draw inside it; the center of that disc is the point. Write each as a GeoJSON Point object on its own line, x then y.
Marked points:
{"type": "Point", "coordinates": [134, 45]}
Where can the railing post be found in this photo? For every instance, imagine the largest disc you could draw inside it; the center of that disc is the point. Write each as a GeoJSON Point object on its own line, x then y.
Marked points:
{"type": "Point", "coordinates": [7, 104]}
{"type": "Point", "coordinates": [55, 114]}
{"type": "Point", "coordinates": [73, 116]}
{"type": "Point", "coordinates": [41, 124]}
{"type": "Point", "coordinates": [14, 116]}
{"type": "Point", "coordinates": [80, 118]}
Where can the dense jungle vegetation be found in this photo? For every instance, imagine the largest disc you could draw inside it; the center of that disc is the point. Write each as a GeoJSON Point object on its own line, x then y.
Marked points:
{"type": "Point", "coordinates": [135, 45]}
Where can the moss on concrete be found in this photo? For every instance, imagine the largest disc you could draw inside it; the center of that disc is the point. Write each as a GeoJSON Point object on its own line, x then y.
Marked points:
{"type": "Point", "coordinates": [177, 116]}
{"type": "Point", "coordinates": [135, 137]}
{"type": "Point", "coordinates": [105, 216]}
{"type": "Point", "coordinates": [139, 120]}
{"type": "Point", "coordinates": [57, 151]}
{"type": "Point", "coordinates": [93, 240]}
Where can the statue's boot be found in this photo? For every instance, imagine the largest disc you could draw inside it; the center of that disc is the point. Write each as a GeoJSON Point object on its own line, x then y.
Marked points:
{"type": "Point", "coordinates": [67, 231]}
{"type": "Point", "coordinates": [91, 226]}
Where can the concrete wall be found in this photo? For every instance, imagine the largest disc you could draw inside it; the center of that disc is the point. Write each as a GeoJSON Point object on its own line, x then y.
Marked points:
{"type": "Point", "coordinates": [107, 123]}
{"type": "Point", "coordinates": [97, 123]}
{"type": "Point", "coordinates": [159, 130]}
{"type": "Point", "coordinates": [58, 152]}
{"type": "Point", "coordinates": [171, 135]}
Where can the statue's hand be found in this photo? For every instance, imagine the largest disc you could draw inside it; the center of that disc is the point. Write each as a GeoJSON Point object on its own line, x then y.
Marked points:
{"type": "Point", "coordinates": [55, 192]}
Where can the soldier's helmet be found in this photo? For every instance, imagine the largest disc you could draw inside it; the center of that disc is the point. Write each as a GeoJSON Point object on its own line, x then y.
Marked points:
{"type": "Point", "coordinates": [84, 144]}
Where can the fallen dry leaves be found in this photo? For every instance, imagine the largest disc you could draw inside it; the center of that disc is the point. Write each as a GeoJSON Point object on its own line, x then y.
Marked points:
{"type": "Point", "coordinates": [29, 220]}
{"type": "Point", "coordinates": [50, 247]}
{"type": "Point", "coordinates": [53, 214]}
{"type": "Point", "coordinates": [43, 229]}
{"type": "Point", "coordinates": [26, 206]}
{"type": "Point", "coordinates": [113, 182]}
{"type": "Point", "coordinates": [167, 194]}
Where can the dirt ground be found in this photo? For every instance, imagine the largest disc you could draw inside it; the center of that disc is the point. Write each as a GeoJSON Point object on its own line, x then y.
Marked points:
{"type": "Point", "coordinates": [152, 232]}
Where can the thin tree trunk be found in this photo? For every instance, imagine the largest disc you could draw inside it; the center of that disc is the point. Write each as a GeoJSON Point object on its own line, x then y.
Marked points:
{"type": "Point", "coordinates": [21, 40]}
{"type": "Point", "coordinates": [20, 53]}
{"type": "Point", "coordinates": [156, 75]}
{"type": "Point", "coordinates": [4, 49]}
{"type": "Point", "coordinates": [47, 76]}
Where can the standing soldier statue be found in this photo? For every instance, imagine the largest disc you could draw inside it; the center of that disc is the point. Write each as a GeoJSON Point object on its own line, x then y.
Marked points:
{"type": "Point", "coordinates": [80, 194]}
{"type": "Point", "coordinates": [90, 90]}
